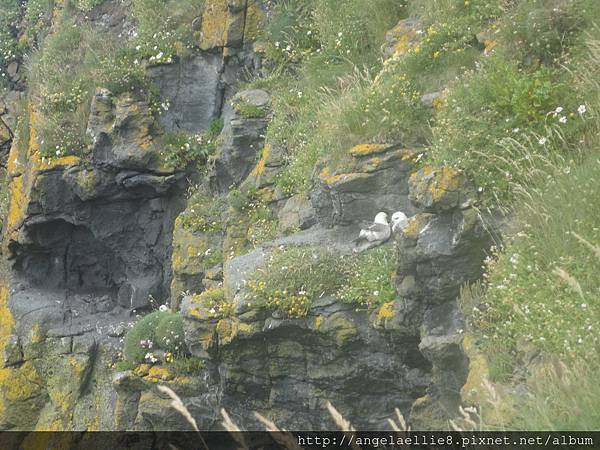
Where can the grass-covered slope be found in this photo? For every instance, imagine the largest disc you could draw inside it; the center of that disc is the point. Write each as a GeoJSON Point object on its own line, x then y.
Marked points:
{"type": "Point", "coordinates": [517, 109]}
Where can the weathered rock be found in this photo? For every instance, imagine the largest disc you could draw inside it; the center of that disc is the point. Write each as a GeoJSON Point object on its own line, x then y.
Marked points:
{"type": "Point", "coordinates": [437, 254]}
{"type": "Point", "coordinates": [404, 36]}
{"type": "Point", "coordinates": [297, 214]}
{"type": "Point", "coordinates": [442, 189]}
{"type": "Point", "coordinates": [241, 139]}
{"type": "Point", "coordinates": [191, 92]}
{"type": "Point", "coordinates": [374, 180]}
{"type": "Point", "coordinates": [122, 132]}
{"type": "Point", "coordinates": [194, 255]}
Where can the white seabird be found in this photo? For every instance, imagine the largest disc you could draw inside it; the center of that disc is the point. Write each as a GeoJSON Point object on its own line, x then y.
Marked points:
{"type": "Point", "coordinates": [379, 231]}
{"type": "Point", "coordinates": [399, 221]}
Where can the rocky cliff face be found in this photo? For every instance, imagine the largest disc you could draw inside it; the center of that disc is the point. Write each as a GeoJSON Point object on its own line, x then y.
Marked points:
{"type": "Point", "coordinates": [92, 242]}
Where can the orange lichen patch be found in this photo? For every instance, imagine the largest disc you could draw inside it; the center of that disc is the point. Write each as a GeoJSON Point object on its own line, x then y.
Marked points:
{"type": "Point", "coordinates": [446, 179]}
{"type": "Point", "coordinates": [48, 164]}
{"type": "Point", "coordinates": [158, 373]}
{"type": "Point", "coordinates": [368, 149]}
{"type": "Point", "coordinates": [7, 321]}
{"type": "Point", "coordinates": [18, 384]}
{"type": "Point", "coordinates": [18, 204]}
{"type": "Point", "coordinates": [438, 103]}
{"type": "Point", "coordinates": [329, 178]}
{"type": "Point", "coordinates": [142, 370]}
{"type": "Point", "coordinates": [318, 322]}
{"type": "Point", "coordinates": [386, 311]}
{"type": "Point", "coordinates": [490, 45]}
{"type": "Point", "coordinates": [260, 166]}
{"type": "Point", "coordinates": [215, 20]}
{"type": "Point", "coordinates": [415, 225]}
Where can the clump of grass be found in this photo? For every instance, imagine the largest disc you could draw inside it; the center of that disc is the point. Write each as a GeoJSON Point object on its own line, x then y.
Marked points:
{"type": "Point", "coordinates": [183, 150]}
{"type": "Point", "coordinates": [496, 104]}
{"type": "Point", "coordinates": [251, 212]}
{"type": "Point", "coordinates": [370, 277]}
{"type": "Point", "coordinates": [542, 289]}
{"type": "Point", "coordinates": [204, 213]}
{"type": "Point", "coordinates": [160, 330]}
{"type": "Point", "coordinates": [295, 276]}
{"type": "Point", "coordinates": [186, 365]}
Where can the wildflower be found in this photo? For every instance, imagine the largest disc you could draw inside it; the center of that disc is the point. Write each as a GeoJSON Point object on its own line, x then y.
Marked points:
{"type": "Point", "coordinates": [542, 141]}
{"type": "Point", "coordinates": [150, 358]}
{"type": "Point", "coordinates": [558, 110]}
{"type": "Point", "coordinates": [212, 310]}
{"type": "Point", "coordinates": [163, 308]}
{"type": "Point", "coordinates": [563, 119]}
{"type": "Point", "coordinates": [581, 110]}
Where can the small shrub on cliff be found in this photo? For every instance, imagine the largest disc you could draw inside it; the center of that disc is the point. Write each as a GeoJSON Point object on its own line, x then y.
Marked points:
{"type": "Point", "coordinates": [182, 149]}
{"type": "Point", "coordinates": [214, 301]}
{"type": "Point", "coordinates": [160, 330]}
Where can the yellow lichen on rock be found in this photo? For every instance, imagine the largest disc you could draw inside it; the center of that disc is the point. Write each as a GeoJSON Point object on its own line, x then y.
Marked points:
{"type": "Point", "coordinates": [260, 166]}
{"type": "Point", "coordinates": [368, 149]}
{"type": "Point", "coordinates": [214, 25]}
{"type": "Point", "coordinates": [386, 311]}
{"type": "Point", "coordinates": [158, 373]}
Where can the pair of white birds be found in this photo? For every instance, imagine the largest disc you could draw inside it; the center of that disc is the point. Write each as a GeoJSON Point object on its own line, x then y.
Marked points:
{"type": "Point", "coordinates": [381, 230]}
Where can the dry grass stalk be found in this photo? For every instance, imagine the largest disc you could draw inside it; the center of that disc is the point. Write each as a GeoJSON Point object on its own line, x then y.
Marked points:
{"type": "Point", "coordinates": [594, 248]}
{"type": "Point", "coordinates": [342, 423]}
{"type": "Point", "coordinates": [235, 431]}
{"type": "Point", "coordinates": [281, 436]}
{"type": "Point", "coordinates": [401, 425]}
{"type": "Point", "coordinates": [569, 280]}
{"type": "Point", "coordinates": [178, 405]}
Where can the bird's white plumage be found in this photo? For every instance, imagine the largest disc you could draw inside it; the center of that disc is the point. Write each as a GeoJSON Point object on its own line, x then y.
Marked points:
{"type": "Point", "coordinates": [379, 230]}
{"type": "Point", "coordinates": [399, 221]}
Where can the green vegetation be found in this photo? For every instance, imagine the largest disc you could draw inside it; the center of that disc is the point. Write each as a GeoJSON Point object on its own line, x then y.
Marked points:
{"type": "Point", "coordinates": [251, 211]}
{"type": "Point", "coordinates": [204, 213]}
{"type": "Point", "coordinates": [95, 59]}
{"type": "Point", "coordinates": [182, 149]}
{"type": "Point", "coordinates": [543, 291]}
{"type": "Point", "coordinates": [295, 276]}
{"type": "Point", "coordinates": [160, 330]}
{"type": "Point", "coordinates": [214, 301]}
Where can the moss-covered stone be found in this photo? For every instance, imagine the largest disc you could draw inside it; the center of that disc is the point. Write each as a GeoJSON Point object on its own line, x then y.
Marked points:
{"type": "Point", "coordinates": [441, 189]}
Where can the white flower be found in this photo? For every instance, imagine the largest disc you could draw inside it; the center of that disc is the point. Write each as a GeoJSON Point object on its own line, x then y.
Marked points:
{"type": "Point", "coordinates": [160, 55]}
{"type": "Point", "coordinates": [308, 33]}
{"type": "Point", "coordinates": [542, 141]}
{"type": "Point", "coordinates": [563, 119]}
{"type": "Point", "coordinates": [277, 44]}
{"type": "Point", "coordinates": [150, 358]}
{"type": "Point", "coordinates": [212, 310]}
{"type": "Point", "coordinates": [558, 110]}
{"type": "Point", "coordinates": [163, 308]}
{"type": "Point", "coordinates": [340, 34]}
{"type": "Point", "coordinates": [581, 110]}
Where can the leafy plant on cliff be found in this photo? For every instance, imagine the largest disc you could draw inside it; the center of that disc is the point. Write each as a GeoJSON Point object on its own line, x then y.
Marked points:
{"type": "Point", "coordinates": [160, 330]}
{"type": "Point", "coordinates": [182, 149]}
